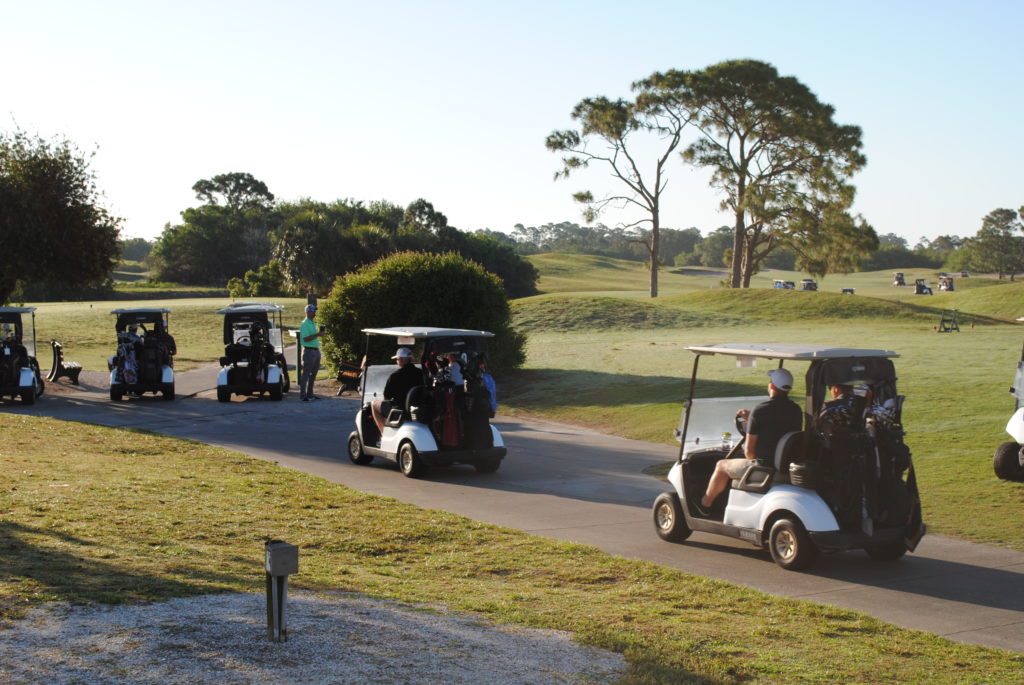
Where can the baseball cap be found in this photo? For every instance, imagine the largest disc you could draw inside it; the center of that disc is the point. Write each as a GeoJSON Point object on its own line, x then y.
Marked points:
{"type": "Point", "coordinates": [310, 307]}
{"type": "Point", "coordinates": [403, 352]}
{"type": "Point", "coordinates": [781, 379]}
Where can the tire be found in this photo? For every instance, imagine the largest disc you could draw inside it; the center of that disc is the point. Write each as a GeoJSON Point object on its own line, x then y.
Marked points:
{"type": "Point", "coordinates": [409, 462]}
{"type": "Point", "coordinates": [276, 393]}
{"type": "Point", "coordinates": [791, 546]}
{"type": "Point", "coordinates": [355, 450]}
{"type": "Point", "coordinates": [28, 397]}
{"type": "Point", "coordinates": [487, 465]}
{"type": "Point", "coordinates": [890, 551]}
{"type": "Point", "coordinates": [669, 522]}
{"type": "Point", "coordinates": [168, 391]}
{"type": "Point", "coordinates": [1007, 462]}
{"type": "Point", "coordinates": [116, 393]}
{"type": "Point", "coordinates": [287, 380]}
{"type": "Point", "coordinates": [223, 394]}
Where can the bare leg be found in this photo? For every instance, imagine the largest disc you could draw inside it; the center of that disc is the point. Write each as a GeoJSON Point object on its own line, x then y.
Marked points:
{"type": "Point", "coordinates": [716, 486]}
{"type": "Point", "coordinates": [378, 415]}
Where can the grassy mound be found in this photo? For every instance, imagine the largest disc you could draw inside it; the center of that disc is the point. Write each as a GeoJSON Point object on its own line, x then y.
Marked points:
{"type": "Point", "coordinates": [795, 305]}
{"type": "Point", "coordinates": [581, 313]}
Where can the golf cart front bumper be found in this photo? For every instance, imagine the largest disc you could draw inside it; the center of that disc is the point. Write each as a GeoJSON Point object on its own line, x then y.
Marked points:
{"type": "Point", "coordinates": [462, 456]}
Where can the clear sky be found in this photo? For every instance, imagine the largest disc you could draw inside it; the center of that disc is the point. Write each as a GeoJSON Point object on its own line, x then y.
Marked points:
{"type": "Point", "coordinates": [451, 101]}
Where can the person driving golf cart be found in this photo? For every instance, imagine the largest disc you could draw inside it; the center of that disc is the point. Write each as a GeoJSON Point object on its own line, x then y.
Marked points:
{"type": "Point", "coordinates": [19, 370]}
{"type": "Point", "coordinates": [144, 361]}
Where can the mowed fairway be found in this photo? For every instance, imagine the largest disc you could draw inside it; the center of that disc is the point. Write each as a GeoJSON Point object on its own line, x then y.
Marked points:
{"type": "Point", "coordinates": [616, 360]}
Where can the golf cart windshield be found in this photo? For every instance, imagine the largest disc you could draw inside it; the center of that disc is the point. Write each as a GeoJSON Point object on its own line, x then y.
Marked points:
{"type": "Point", "coordinates": [12, 329]}
{"type": "Point", "coordinates": [154, 319]}
{"type": "Point", "coordinates": [706, 420]}
{"type": "Point", "coordinates": [244, 322]}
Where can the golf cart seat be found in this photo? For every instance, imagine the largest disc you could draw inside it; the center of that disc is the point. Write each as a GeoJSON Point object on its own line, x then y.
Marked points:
{"type": "Point", "coordinates": [419, 402]}
{"type": "Point", "coordinates": [759, 478]}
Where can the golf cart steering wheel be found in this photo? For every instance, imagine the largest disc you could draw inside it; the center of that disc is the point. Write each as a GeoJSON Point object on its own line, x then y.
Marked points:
{"type": "Point", "coordinates": [741, 424]}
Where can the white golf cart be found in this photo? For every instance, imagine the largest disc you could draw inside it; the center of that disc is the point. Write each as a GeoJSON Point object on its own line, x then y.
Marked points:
{"type": "Point", "coordinates": [442, 424]}
{"type": "Point", "coordinates": [852, 489]}
{"type": "Point", "coordinates": [19, 370]}
{"type": "Point", "coordinates": [144, 361]}
{"type": "Point", "coordinates": [1009, 458]}
{"type": "Point", "coordinates": [253, 361]}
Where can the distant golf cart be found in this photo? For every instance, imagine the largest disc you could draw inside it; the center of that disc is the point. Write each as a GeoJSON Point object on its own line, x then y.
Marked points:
{"type": "Point", "coordinates": [442, 424]}
{"type": "Point", "coordinates": [1009, 458]}
{"type": "Point", "coordinates": [897, 279]}
{"type": "Point", "coordinates": [946, 284]}
{"type": "Point", "coordinates": [144, 361]}
{"type": "Point", "coordinates": [19, 370]}
{"type": "Point", "coordinates": [921, 287]}
{"type": "Point", "coordinates": [784, 285]}
{"type": "Point", "coordinates": [253, 361]}
{"type": "Point", "coordinates": [852, 489]}
{"type": "Point", "coordinates": [808, 284]}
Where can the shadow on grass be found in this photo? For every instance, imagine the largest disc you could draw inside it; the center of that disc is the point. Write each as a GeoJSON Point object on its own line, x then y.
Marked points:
{"type": "Point", "coordinates": [44, 565]}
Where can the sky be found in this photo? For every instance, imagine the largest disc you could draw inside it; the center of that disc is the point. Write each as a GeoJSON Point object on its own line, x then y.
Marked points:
{"type": "Point", "coordinates": [452, 101]}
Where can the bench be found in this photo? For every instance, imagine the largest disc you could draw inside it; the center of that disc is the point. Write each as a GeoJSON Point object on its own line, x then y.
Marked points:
{"type": "Point", "coordinates": [948, 322]}
{"type": "Point", "coordinates": [348, 376]}
{"type": "Point", "coordinates": [61, 368]}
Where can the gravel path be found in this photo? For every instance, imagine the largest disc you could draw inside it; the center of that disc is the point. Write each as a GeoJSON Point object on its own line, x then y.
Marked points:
{"type": "Point", "coordinates": [349, 639]}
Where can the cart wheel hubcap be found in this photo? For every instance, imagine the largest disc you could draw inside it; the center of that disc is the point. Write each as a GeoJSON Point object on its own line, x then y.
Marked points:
{"type": "Point", "coordinates": [665, 517]}
{"type": "Point", "coordinates": [785, 544]}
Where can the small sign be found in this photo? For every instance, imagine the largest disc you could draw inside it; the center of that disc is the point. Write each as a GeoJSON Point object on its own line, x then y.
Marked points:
{"type": "Point", "coordinates": [746, 362]}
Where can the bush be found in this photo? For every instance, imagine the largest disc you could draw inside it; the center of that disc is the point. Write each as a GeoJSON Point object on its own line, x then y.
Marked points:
{"type": "Point", "coordinates": [418, 289]}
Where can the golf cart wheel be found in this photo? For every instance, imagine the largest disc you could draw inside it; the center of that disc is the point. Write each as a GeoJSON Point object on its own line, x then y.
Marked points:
{"type": "Point", "coordinates": [1007, 462]}
{"type": "Point", "coordinates": [669, 522]}
{"type": "Point", "coordinates": [168, 391]}
{"type": "Point", "coordinates": [890, 551]}
{"type": "Point", "coordinates": [791, 546]}
{"type": "Point", "coordinates": [223, 394]}
{"type": "Point", "coordinates": [28, 397]}
{"type": "Point", "coordinates": [277, 393]}
{"type": "Point", "coordinates": [487, 465]}
{"type": "Point", "coordinates": [287, 381]}
{"type": "Point", "coordinates": [116, 394]}
{"type": "Point", "coordinates": [409, 462]}
{"type": "Point", "coordinates": [355, 450]}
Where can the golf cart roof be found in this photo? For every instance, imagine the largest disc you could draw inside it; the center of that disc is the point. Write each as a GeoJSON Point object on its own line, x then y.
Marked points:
{"type": "Point", "coordinates": [419, 332]}
{"type": "Point", "coordinates": [795, 351]}
{"type": "Point", "coordinates": [248, 307]}
{"type": "Point", "coordinates": [16, 310]}
{"type": "Point", "coordinates": [142, 310]}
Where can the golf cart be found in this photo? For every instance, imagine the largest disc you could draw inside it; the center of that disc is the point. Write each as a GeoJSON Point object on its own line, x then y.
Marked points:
{"type": "Point", "coordinates": [1009, 458]}
{"type": "Point", "coordinates": [19, 370]}
{"type": "Point", "coordinates": [442, 423]}
{"type": "Point", "coordinates": [253, 361]}
{"type": "Point", "coordinates": [784, 285]}
{"type": "Point", "coordinates": [808, 284]}
{"type": "Point", "coordinates": [848, 489]}
{"type": "Point", "coordinates": [145, 354]}
{"type": "Point", "coordinates": [922, 288]}
{"type": "Point", "coordinates": [897, 279]}
{"type": "Point", "coordinates": [946, 284]}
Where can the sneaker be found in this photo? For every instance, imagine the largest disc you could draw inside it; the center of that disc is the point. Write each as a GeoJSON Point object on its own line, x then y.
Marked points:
{"type": "Point", "coordinates": [303, 399]}
{"type": "Point", "coordinates": [377, 444]}
{"type": "Point", "coordinates": [312, 397]}
{"type": "Point", "coordinates": [701, 509]}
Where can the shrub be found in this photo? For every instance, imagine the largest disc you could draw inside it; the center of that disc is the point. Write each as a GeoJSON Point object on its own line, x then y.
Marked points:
{"type": "Point", "coordinates": [418, 289]}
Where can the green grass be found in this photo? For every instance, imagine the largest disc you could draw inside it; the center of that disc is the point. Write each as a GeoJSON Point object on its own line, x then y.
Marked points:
{"type": "Point", "coordinates": [86, 329]}
{"type": "Point", "coordinates": [113, 515]}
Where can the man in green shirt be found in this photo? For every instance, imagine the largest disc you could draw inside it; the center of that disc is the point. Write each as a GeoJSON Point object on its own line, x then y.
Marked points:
{"type": "Point", "coordinates": [309, 338]}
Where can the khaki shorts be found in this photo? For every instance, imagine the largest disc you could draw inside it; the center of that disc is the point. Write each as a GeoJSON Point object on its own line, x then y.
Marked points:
{"type": "Point", "coordinates": [735, 468]}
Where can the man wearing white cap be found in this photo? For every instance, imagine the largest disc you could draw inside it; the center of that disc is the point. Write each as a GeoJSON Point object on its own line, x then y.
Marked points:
{"type": "Point", "coordinates": [400, 382]}
{"type": "Point", "coordinates": [768, 423]}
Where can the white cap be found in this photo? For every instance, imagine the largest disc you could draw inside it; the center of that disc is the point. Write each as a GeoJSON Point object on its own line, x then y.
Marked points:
{"type": "Point", "coordinates": [781, 379]}
{"type": "Point", "coordinates": [403, 353]}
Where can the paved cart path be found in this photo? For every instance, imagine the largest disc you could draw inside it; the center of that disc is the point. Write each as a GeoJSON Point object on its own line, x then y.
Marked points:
{"type": "Point", "coordinates": [574, 484]}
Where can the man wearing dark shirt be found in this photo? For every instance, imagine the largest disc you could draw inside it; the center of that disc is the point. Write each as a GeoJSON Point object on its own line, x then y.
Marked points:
{"type": "Point", "coordinates": [768, 423]}
{"type": "Point", "coordinates": [400, 382]}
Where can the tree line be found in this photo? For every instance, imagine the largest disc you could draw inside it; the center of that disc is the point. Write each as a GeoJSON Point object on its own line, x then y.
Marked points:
{"type": "Point", "coordinates": [241, 236]}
